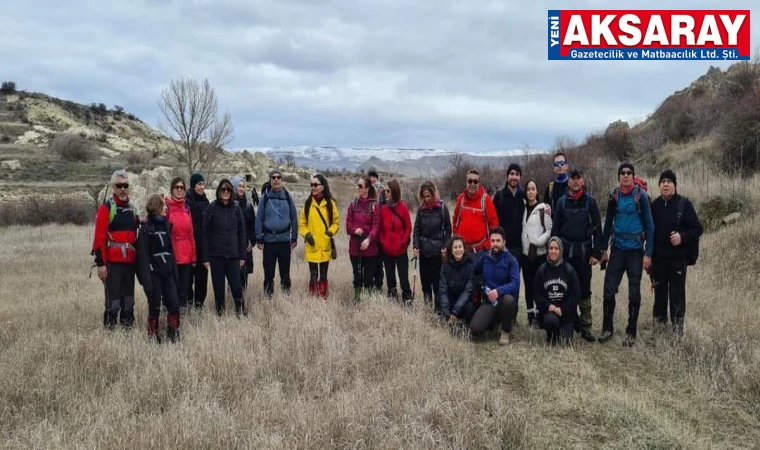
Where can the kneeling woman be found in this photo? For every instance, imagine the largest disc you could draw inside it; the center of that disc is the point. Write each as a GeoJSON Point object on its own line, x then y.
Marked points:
{"type": "Point", "coordinates": [556, 290]}
{"type": "Point", "coordinates": [455, 288]}
{"type": "Point", "coordinates": [157, 268]}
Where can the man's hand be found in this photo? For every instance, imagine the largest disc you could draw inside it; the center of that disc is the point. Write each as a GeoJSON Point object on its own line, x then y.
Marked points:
{"type": "Point", "coordinates": [493, 295]}
{"type": "Point", "coordinates": [593, 261]}
{"type": "Point", "coordinates": [260, 246]}
{"type": "Point", "coordinates": [675, 239]}
{"type": "Point", "coordinates": [293, 245]}
{"type": "Point", "coordinates": [242, 262]}
{"type": "Point", "coordinates": [249, 248]}
{"type": "Point", "coordinates": [359, 232]}
{"type": "Point", "coordinates": [365, 244]}
{"type": "Point", "coordinates": [207, 265]}
{"type": "Point", "coordinates": [605, 256]}
{"type": "Point", "coordinates": [102, 273]}
{"type": "Point", "coordinates": [647, 263]}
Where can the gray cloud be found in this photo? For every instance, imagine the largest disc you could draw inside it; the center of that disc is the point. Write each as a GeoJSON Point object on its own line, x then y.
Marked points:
{"type": "Point", "coordinates": [460, 74]}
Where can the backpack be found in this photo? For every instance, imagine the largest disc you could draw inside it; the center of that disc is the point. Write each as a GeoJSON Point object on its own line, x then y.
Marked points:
{"type": "Point", "coordinates": [692, 254]}
{"type": "Point", "coordinates": [265, 202]}
{"type": "Point", "coordinates": [639, 185]}
{"type": "Point", "coordinates": [113, 209]}
{"type": "Point", "coordinates": [482, 208]}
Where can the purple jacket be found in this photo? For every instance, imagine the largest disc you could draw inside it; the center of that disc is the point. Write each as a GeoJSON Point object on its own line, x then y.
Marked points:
{"type": "Point", "coordinates": [365, 214]}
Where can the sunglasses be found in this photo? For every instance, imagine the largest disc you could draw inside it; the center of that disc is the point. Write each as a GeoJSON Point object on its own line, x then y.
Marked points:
{"type": "Point", "coordinates": [315, 185]}
{"type": "Point", "coordinates": [225, 189]}
{"type": "Point", "coordinates": [360, 186]}
{"type": "Point", "coordinates": [121, 185]}
{"type": "Point", "coordinates": [473, 181]}
{"type": "Point", "coordinates": [275, 177]}
{"type": "Point", "coordinates": [626, 172]}
{"type": "Point", "coordinates": [178, 187]}
{"type": "Point", "coordinates": [559, 163]}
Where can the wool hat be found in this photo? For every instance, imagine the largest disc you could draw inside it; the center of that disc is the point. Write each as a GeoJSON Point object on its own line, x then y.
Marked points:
{"type": "Point", "coordinates": [515, 167]}
{"type": "Point", "coordinates": [626, 166]}
{"type": "Point", "coordinates": [668, 175]}
{"type": "Point", "coordinates": [235, 182]}
{"type": "Point", "coordinates": [274, 172]}
{"type": "Point", "coordinates": [195, 179]}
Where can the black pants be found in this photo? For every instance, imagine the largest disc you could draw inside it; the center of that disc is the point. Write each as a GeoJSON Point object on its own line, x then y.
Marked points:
{"type": "Point", "coordinates": [631, 263]}
{"type": "Point", "coordinates": [402, 264]}
{"type": "Point", "coordinates": [430, 276]}
{"type": "Point", "coordinates": [378, 270]}
{"type": "Point", "coordinates": [164, 288]}
{"type": "Point", "coordinates": [487, 316]}
{"type": "Point", "coordinates": [318, 271]}
{"type": "Point", "coordinates": [529, 269]}
{"type": "Point", "coordinates": [557, 329]}
{"type": "Point", "coordinates": [228, 268]}
{"type": "Point", "coordinates": [246, 270]}
{"type": "Point", "coordinates": [583, 270]}
{"type": "Point", "coordinates": [276, 253]}
{"type": "Point", "coordinates": [183, 285]}
{"type": "Point", "coordinates": [364, 271]}
{"type": "Point", "coordinates": [669, 276]}
{"type": "Point", "coordinates": [119, 295]}
{"type": "Point", "coordinates": [199, 280]}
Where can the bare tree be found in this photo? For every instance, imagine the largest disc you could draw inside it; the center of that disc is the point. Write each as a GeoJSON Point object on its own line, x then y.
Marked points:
{"type": "Point", "coordinates": [191, 119]}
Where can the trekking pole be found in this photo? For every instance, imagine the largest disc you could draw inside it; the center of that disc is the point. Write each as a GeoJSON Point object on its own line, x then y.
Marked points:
{"type": "Point", "coordinates": [414, 276]}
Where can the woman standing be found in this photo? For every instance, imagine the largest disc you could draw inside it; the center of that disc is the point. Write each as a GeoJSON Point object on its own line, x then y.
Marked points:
{"type": "Point", "coordinates": [183, 238]}
{"type": "Point", "coordinates": [557, 291]}
{"type": "Point", "coordinates": [157, 268]}
{"type": "Point", "coordinates": [224, 245]}
{"type": "Point", "coordinates": [432, 230]}
{"type": "Point", "coordinates": [395, 236]}
{"type": "Point", "coordinates": [536, 231]}
{"type": "Point", "coordinates": [363, 227]}
{"type": "Point", "coordinates": [456, 284]}
{"type": "Point", "coordinates": [249, 217]}
{"type": "Point", "coordinates": [318, 222]}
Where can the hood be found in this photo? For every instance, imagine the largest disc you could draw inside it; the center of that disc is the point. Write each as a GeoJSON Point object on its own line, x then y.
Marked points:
{"type": "Point", "coordinates": [219, 190]}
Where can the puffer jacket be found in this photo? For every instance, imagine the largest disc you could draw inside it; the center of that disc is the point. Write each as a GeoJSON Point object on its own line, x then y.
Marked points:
{"type": "Point", "coordinates": [395, 228]}
{"type": "Point", "coordinates": [183, 237]}
{"type": "Point", "coordinates": [500, 272]}
{"type": "Point", "coordinates": [363, 213]}
{"type": "Point", "coordinates": [223, 231]}
{"type": "Point", "coordinates": [432, 229]}
{"type": "Point", "coordinates": [310, 222]}
{"type": "Point", "coordinates": [155, 252]}
{"type": "Point", "coordinates": [456, 285]}
{"type": "Point", "coordinates": [197, 204]}
{"type": "Point", "coordinates": [533, 232]}
{"type": "Point", "coordinates": [472, 223]}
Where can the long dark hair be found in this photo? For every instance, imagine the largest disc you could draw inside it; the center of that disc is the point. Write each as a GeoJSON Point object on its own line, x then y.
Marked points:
{"type": "Point", "coordinates": [327, 196]}
{"type": "Point", "coordinates": [538, 191]}
{"type": "Point", "coordinates": [371, 191]}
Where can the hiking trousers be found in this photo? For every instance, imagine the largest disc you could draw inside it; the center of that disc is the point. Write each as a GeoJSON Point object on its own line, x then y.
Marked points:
{"type": "Point", "coordinates": [183, 284]}
{"type": "Point", "coordinates": [488, 316]}
{"type": "Point", "coordinates": [621, 262]}
{"type": "Point", "coordinates": [583, 270]}
{"type": "Point", "coordinates": [558, 331]}
{"type": "Point", "coordinates": [276, 253]}
{"type": "Point", "coordinates": [430, 276]}
{"type": "Point", "coordinates": [669, 276]}
{"type": "Point", "coordinates": [392, 263]}
{"type": "Point", "coordinates": [164, 289]}
{"type": "Point", "coordinates": [529, 270]}
{"type": "Point", "coordinates": [229, 269]}
{"type": "Point", "coordinates": [119, 295]}
{"type": "Point", "coordinates": [197, 286]}
{"type": "Point", "coordinates": [364, 271]}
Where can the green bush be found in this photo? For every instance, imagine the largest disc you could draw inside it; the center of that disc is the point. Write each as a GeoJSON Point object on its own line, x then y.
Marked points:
{"type": "Point", "coordinates": [73, 148]}
{"type": "Point", "coordinates": [36, 212]}
{"type": "Point", "coordinates": [712, 211]}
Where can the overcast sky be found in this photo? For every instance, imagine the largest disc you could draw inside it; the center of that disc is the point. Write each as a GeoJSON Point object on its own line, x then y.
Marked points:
{"type": "Point", "coordinates": [470, 75]}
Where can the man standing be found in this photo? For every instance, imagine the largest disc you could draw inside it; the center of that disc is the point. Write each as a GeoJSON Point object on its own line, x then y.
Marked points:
{"type": "Point", "coordinates": [475, 215]}
{"type": "Point", "coordinates": [577, 222]}
{"type": "Point", "coordinates": [197, 202]}
{"type": "Point", "coordinates": [629, 224]}
{"type": "Point", "coordinates": [676, 232]}
{"type": "Point", "coordinates": [114, 250]}
{"type": "Point", "coordinates": [558, 186]}
{"type": "Point", "coordinates": [374, 177]}
{"type": "Point", "coordinates": [276, 232]}
{"type": "Point", "coordinates": [510, 206]}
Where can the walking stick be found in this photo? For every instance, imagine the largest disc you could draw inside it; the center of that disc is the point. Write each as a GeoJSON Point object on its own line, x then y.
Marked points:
{"type": "Point", "coordinates": [414, 276]}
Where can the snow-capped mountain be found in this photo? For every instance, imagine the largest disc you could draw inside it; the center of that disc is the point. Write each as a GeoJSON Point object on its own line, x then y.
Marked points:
{"type": "Point", "coordinates": [351, 159]}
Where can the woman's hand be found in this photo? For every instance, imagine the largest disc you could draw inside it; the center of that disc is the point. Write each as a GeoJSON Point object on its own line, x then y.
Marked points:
{"type": "Point", "coordinates": [359, 232]}
{"type": "Point", "coordinates": [365, 244]}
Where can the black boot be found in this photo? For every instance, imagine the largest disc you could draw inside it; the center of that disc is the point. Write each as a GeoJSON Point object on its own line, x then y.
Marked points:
{"type": "Point", "coordinates": [127, 320]}
{"type": "Point", "coordinates": [240, 309]}
{"type": "Point", "coordinates": [109, 320]}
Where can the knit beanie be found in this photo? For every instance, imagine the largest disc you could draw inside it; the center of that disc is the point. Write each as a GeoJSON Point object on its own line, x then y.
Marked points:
{"type": "Point", "coordinates": [275, 172]}
{"type": "Point", "coordinates": [515, 167]}
{"type": "Point", "coordinates": [668, 175]}
{"type": "Point", "coordinates": [195, 179]}
{"type": "Point", "coordinates": [626, 166]}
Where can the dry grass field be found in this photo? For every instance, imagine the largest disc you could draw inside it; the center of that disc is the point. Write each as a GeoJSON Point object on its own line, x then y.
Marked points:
{"type": "Point", "coordinates": [299, 373]}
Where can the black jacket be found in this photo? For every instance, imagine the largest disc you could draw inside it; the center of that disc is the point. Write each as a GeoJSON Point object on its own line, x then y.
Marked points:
{"type": "Point", "coordinates": [557, 191]}
{"type": "Point", "coordinates": [197, 204]}
{"type": "Point", "coordinates": [456, 285]}
{"type": "Point", "coordinates": [665, 217]}
{"type": "Point", "coordinates": [579, 224]}
{"type": "Point", "coordinates": [249, 217]}
{"type": "Point", "coordinates": [155, 252]}
{"type": "Point", "coordinates": [432, 230]}
{"type": "Point", "coordinates": [558, 286]}
{"type": "Point", "coordinates": [510, 209]}
{"type": "Point", "coordinates": [224, 234]}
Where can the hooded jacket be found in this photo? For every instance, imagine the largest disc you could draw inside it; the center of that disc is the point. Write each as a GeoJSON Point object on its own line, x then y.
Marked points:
{"type": "Point", "coordinates": [510, 209]}
{"type": "Point", "coordinates": [183, 237]}
{"type": "Point", "coordinates": [395, 228]}
{"type": "Point", "coordinates": [432, 229]}
{"type": "Point", "coordinates": [456, 285]}
{"type": "Point", "coordinates": [223, 229]}
{"type": "Point", "coordinates": [471, 222]}
{"type": "Point", "coordinates": [363, 213]}
{"type": "Point", "coordinates": [499, 271]}
{"type": "Point", "coordinates": [310, 222]}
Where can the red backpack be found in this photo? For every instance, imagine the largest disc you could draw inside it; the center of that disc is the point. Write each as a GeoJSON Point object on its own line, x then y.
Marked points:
{"type": "Point", "coordinates": [639, 185]}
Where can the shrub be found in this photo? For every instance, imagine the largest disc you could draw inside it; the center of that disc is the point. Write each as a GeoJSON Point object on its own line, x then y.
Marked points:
{"type": "Point", "coordinates": [5, 139]}
{"type": "Point", "coordinates": [118, 109]}
{"type": "Point", "coordinates": [290, 178]}
{"type": "Point", "coordinates": [137, 158]}
{"type": "Point", "coordinates": [73, 148]}
{"type": "Point", "coordinates": [712, 211]}
{"type": "Point", "coordinates": [36, 212]}
{"type": "Point", "coordinates": [739, 137]}
{"type": "Point", "coordinates": [617, 139]}
{"type": "Point", "coordinates": [8, 87]}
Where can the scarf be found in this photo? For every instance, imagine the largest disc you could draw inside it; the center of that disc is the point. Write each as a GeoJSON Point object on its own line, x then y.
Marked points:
{"type": "Point", "coordinates": [559, 243]}
{"type": "Point", "coordinates": [562, 178]}
{"type": "Point", "coordinates": [575, 195]}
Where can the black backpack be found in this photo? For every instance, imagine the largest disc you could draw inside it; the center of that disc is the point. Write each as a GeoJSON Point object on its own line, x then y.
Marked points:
{"type": "Point", "coordinates": [692, 253]}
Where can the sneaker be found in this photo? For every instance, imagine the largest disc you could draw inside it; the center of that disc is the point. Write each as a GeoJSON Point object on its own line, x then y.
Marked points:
{"type": "Point", "coordinates": [629, 340]}
{"type": "Point", "coordinates": [588, 335]}
{"type": "Point", "coordinates": [506, 339]}
{"type": "Point", "coordinates": [606, 336]}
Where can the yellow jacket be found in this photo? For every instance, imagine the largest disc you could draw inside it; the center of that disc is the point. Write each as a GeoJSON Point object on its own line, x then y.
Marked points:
{"type": "Point", "coordinates": [321, 251]}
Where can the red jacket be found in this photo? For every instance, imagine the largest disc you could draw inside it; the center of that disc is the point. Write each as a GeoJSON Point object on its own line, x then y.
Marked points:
{"type": "Point", "coordinates": [183, 239]}
{"type": "Point", "coordinates": [114, 240]}
{"type": "Point", "coordinates": [470, 221]}
{"type": "Point", "coordinates": [365, 215]}
{"type": "Point", "coordinates": [395, 229]}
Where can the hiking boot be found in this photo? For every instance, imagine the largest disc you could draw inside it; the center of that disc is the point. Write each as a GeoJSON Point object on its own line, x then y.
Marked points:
{"type": "Point", "coordinates": [505, 339]}
{"type": "Point", "coordinates": [109, 321]}
{"type": "Point", "coordinates": [322, 289]}
{"type": "Point", "coordinates": [606, 336]}
{"type": "Point", "coordinates": [313, 289]}
{"type": "Point", "coordinates": [127, 320]}
{"type": "Point", "coordinates": [629, 340]}
{"type": "Point", "coordinates": [392, 293]}
{"type": "Point", "coordinates": [588, 336]}
{"type": "Point", "coordinates": [172, 327]}
{"type": "Point", "coordinates": [240, 309]}
{"type": "Point", "coordinates": [153, 328]}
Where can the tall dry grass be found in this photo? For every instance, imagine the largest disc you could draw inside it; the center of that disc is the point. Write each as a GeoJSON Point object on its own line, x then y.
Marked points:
{"type": "Point", "coordinates": [298, 373]}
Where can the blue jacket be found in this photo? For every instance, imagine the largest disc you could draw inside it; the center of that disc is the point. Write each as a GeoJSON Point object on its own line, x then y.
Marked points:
{"type": "Point", "coordinates": [624, 225]}
{"type": "Point", "coordinates": [500, 272]}
{"type": "Point", "coordinates": [276, 219]}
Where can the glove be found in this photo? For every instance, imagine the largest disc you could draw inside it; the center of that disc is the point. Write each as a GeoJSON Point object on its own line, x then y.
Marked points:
{"type": "Point", "coordinates": [310, 239]}
{"type": "Point", "coordinates": [329, 233]}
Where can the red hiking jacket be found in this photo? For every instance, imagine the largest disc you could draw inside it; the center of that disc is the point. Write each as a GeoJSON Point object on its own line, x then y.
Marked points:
{"type": "Point", "coordinates": [114, 240]}
{"type": "Point", "coordinates": [395, 229]}
{"type": "Point", "coordinates": [183, 239]}
{"type": "Point", "coordinates": [472, 223]}
{"type": "Point", "coordinates": [363, 213]}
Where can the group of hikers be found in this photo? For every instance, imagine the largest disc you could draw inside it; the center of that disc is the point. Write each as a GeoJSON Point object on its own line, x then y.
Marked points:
{"type": "Point", "coordinates": [469, 261]}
